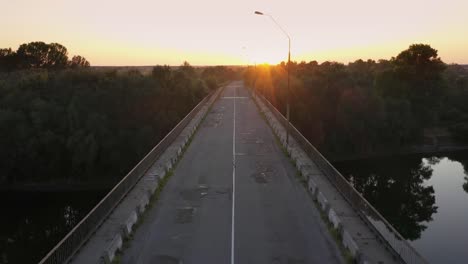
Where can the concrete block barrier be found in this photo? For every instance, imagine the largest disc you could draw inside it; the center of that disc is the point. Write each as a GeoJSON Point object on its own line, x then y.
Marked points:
{"type": "Point", "coordinates": [313, 189]}
{"type": "Point", "coordinates": [168, 165]}
{"type": "Point", "coordinates": [306, 171]}
{"type": "Point", "coordinates": [302, 163]}
{"type": "Point", "coordinates": [128, 225]}
{"type": "Point", "coordinates": [334, 219]}
{"type": "Point", "coordinates": [179, 150]}
{"type": "Point", "coordinates": [152, 187]}
{"type": "Point", "coordinates": [323, 202]}
{"type": "Point", "coordinates": [283, 140]}
{"type": "Point", "coordinates": [157, 170]}
{"type": "Point", "coordinates": [289, 149]}
{"type": "Point", "coordinates": [142, 204]}
{"type": "Point", "coordinates": [151, 183]}
{"type": "Point", "coordinates": [310, 169]}
{"type": "Point", "coordinates": [172, 154]}
{"type": "Point", "coordinates": [110, 252]}
{"type": "Point", "coordinates": [275, 127]}
{"type": "Point", "coordinates": [350, 244]}
{"type": "Point", "coordinates": [295, 154]}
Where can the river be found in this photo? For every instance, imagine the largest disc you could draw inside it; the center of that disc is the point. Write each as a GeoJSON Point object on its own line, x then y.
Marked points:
{"type": "Point", "coordinates": [32, 223]}
{"type": "Point", "coordinates": [425, 197]}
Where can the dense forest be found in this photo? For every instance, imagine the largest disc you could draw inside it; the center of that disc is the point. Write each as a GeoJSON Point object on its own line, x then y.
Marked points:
{"type": "Point", "coordinates": [73, 123]}
{"type": "Point", "coordinates": [368, 107]}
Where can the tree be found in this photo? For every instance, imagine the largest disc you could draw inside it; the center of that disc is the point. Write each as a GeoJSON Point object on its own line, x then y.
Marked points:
{"type": "Point", "coordinates": [8, 60]}
{"type": "Point", "coordinates": [78, 62]}
{"type": "Point", "coordinates": [41, 55]}
{"type": "Point", "coordinates": [421, 68]}
{"type": "Point", "coordinates": [162, 74]}
{"type": "Point", "coordinates": [187, 69]}
{"type": "Point", "coordinates": [57, 56]}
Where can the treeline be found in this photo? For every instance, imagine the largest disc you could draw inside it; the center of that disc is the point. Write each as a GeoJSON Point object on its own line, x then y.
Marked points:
{"type": "Point", "coordinates": [83, 125]}
{"type": "Point", "coordinates": [370, 106]}
{"type": "Point", "coordinates": [39, 55]}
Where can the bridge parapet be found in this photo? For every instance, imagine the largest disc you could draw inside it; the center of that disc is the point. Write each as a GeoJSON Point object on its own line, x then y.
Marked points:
{"type": "Point", "coordinates": [312, 164]}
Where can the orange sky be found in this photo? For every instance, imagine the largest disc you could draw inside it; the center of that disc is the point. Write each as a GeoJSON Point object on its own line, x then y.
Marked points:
{"type": "Point", "coordinates": [207, 32]}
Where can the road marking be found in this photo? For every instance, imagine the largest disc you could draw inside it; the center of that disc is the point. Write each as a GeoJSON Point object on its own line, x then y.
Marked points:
{"type": "Point", "coordinates": [233, 177]}
{"type": "Point", "coordinates": [234, 97]}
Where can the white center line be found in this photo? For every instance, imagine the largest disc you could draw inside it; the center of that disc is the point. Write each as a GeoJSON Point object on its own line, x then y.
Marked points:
{"type": "Point", "coordinates": [234, 97]}
{"type": "Point", "coordinates": [233, 178]}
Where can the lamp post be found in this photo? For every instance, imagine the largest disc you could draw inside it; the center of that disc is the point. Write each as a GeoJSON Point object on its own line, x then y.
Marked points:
{"type": "Point", "coordinates": [288, 66]}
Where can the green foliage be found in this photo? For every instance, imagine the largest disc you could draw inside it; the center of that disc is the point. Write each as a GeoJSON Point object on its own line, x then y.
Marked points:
{"type": "Point", "coordinates": [78, 62]}
{"type": "Point", "coordinates": [39, 55]}
{"type": "Point", "coordinates": [367, 107]}
{"type": "Point", "coordinates": [88, 125]}
{"type": "Point", "coordinates": [215, 76]}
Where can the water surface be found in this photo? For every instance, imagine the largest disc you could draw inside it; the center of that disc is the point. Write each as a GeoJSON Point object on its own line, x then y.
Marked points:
{"type": "Point", "coordinates": [33, 223]}
{"type": "Point", "coordinates": [425, 197]}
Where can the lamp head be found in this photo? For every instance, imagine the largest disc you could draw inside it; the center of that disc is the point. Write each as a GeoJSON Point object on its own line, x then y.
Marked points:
{"type": "Point", "coordinates": [259, 13]}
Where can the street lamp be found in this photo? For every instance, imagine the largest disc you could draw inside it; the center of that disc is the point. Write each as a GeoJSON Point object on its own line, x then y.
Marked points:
{"type": "Point", "coordinates": [288, 66]}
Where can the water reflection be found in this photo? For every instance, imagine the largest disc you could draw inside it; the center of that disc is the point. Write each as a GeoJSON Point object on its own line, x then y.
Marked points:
{"type": "Point", "coordinates": [395, 187]}
{"type": "Point", "coordinates": [462, 158]}
{"type": "Point", "coordinates": [35, 222]}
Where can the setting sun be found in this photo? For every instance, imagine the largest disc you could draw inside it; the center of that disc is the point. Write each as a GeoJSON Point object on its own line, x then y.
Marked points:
{"type": "Point", "coordinates": [147, 32]}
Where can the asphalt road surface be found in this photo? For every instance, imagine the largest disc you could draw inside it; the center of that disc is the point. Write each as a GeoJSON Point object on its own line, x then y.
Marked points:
{"type": "Point", "coordinates": [234, 198]}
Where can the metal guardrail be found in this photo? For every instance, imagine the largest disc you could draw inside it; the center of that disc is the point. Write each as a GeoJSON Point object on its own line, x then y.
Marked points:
{"type": "Point", "coordinates": [395, 242]}
{"type": "Point", "coordinates": [76, 238]}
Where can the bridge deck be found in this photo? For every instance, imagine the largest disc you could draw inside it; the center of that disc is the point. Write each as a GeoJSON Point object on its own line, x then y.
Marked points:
{"type": "Point", "coordinates": [269, 215]}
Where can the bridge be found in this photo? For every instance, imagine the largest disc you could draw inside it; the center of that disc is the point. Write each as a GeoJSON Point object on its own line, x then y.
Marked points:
{"type": "Point", "coordinates": [224, 186]}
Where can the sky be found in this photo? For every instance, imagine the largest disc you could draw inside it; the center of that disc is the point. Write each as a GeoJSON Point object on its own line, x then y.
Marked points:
{"type": "Point", "coordinates": [218, 32]}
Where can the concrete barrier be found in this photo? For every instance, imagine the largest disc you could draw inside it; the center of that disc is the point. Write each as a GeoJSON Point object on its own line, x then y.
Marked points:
{"type": "Point", "coordinates": [350, 244]}
{"type": "Point", "coordinates": [179, 149]}
{"type": "Point", "coordinates": [110, 252]}
{"type": "Point", "coordinates": [128, 225]}
{"type": "Point", "coordinates": [323, 202]}
{"type": "Point", "coordinates": [301, 163]}
{"type": "Point", "coordinates": [295, 154]}
{"type": "Point", "coordinates": [289, 149]}
{"type": "Point", "coordinates": [158, 171]}
{"type": "Point", "coordinates": [144, 201]}
{"type": "Point", "coordinates": [312, 186]}
{"type": "Point", "coordinates": [334, 219]}
{"type": "Point", "coordinates": [168, 165]}
{"type": "Point", "coordinates": [153, 186]}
